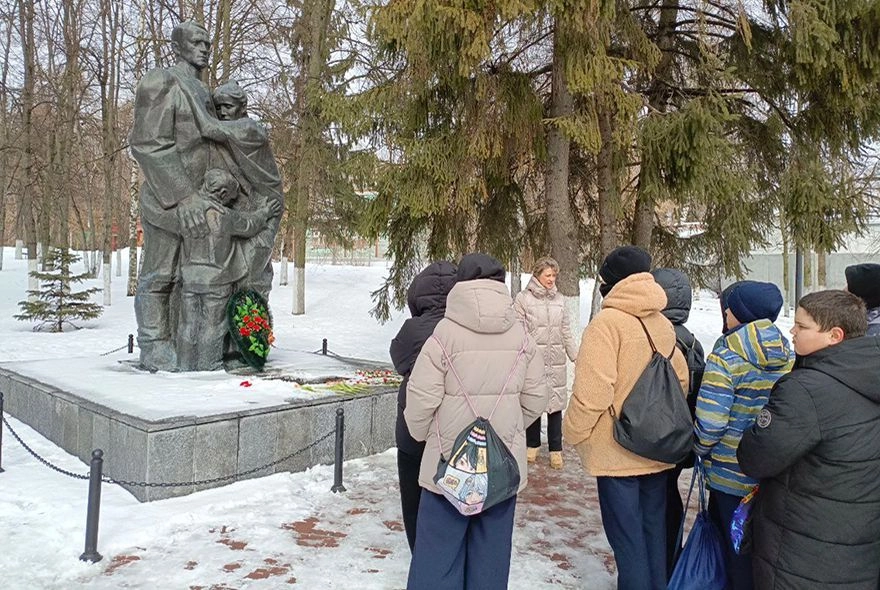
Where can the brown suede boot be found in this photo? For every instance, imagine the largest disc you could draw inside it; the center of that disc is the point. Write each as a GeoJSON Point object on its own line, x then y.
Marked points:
{"type": "Point", "coordinates": [556, 459]}
{"type": "Point", "coordinates": [532, 454]}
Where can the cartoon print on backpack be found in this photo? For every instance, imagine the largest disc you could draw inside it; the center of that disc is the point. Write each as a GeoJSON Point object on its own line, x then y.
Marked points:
{"type": "Point", "coordinates": [465, 477]}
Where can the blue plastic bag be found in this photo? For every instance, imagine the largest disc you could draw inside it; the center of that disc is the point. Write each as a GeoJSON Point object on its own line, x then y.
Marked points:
{"type": "Point", "coordinates": [700, 565]}
{"type": "Point", "coordinates": [741, 524]}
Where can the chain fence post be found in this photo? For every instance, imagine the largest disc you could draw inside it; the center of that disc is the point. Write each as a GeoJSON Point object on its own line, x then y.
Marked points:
{"type": "Point", "coordinates": [1, 432]}
{"type": "Point", "coordinates": [337, 464]}
{"type": "Point", "coordinates": [91, 549]}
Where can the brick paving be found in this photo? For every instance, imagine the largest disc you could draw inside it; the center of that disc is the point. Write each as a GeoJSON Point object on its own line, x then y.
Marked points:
{"type": "Point", "coordinates": [558, 539]}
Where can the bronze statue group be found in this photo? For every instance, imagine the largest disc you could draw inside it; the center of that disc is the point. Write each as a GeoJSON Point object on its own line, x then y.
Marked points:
{"type": "Point", "coordinates": [211, 203]}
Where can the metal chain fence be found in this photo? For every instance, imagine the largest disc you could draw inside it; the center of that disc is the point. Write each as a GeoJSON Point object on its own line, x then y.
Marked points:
{"type": "Point", "coordinates": [130, 345]}
{"type": "Point", "coordinates": [220, 479]}
{"type": "Point", "coordinates": [114, 350]}
{"type": "Point", "coordinates": [96, 476]}
{"type": "Point", "coordinates": [38, 457]}
{"type": "Point", "coordinates": [144, 484]}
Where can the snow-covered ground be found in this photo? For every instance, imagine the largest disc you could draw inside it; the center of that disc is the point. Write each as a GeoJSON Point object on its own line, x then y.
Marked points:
{"type": "Point", "coordinates": [278, 531]}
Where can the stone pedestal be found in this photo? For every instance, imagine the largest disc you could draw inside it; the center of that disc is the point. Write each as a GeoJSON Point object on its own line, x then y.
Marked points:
{"type": "Point", "coordinates": [195, 448]}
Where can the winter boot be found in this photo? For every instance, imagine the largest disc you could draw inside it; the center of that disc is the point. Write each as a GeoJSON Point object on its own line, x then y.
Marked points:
{"type": "Point", "coordinates": [556, 459]}
{"type": "Point", "coordinates": [531, 454]}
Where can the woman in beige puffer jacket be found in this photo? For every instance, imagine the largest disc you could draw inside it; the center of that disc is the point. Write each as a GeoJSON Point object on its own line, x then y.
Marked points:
{"type": "Point", "coordinates": [487, 347]}
{"type": "Point", "coordinates": [543, 309]}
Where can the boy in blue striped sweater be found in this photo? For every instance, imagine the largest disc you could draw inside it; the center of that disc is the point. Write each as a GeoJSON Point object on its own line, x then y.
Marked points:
{"type": "Point", "coordinates": [740, 372]}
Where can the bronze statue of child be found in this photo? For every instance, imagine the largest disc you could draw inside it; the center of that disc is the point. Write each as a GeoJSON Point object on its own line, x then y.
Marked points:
{"type": "Point", "coordinates": [210, 267]}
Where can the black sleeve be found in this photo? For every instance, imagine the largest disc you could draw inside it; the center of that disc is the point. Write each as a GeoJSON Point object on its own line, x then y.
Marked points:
{"type": "Point", "coordinates": [402, 350]}
{"type": "Point", "coordinates": [786, 429]}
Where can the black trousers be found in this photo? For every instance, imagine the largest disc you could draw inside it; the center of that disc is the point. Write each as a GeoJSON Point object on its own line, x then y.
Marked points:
{"type": "Point", "coordinates": [554, 432]}
{"type": "Point", "coordinates": [408, 465]}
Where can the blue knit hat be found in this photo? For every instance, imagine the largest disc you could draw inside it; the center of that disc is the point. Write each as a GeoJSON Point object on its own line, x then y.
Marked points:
{"type": "Point", "coordinates": [753, 300]}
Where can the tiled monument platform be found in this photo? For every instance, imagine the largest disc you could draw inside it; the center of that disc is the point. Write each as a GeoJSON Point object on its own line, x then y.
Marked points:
{"type": "Point", "coordinates": [189, 427]}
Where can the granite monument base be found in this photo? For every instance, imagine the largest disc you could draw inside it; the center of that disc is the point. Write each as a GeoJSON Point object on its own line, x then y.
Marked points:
{"type": "Point", "coordinates": [194, 448]}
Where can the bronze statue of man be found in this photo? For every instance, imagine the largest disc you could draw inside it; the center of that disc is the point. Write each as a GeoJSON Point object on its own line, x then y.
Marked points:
{"type": "Point", "coordinates": [173, 156]}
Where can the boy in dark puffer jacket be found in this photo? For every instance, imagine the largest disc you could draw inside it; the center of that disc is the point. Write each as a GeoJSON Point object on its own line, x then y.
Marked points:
{"type": "Point", "coordinates": [426, 298]}
{"type": "Point", "coordinates": [678, 309]}
{"type": "Point", "coordinates": [816, 449]}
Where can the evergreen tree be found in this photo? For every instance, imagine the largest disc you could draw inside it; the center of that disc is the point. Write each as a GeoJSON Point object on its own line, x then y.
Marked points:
{"type": "Point", "coordinates": [728, 114]}
{"type": "Point", "coordinates": [55, 304]}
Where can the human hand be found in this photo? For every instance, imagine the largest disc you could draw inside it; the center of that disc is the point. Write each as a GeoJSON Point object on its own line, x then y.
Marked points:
{"type": "Point", "coordinates": [275, 208]}
{"type": "Point", "coordinates": [213, 130]}
{"type": "Point", "coordinates": [191, 214]}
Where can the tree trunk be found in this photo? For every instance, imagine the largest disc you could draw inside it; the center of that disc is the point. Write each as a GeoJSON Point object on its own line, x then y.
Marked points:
{"type": "Point", "coordinates": [4, 156]}
{"type": "Point", "coordinates": [643, 223]}
{"type": "Point", "coordinates": [515, 276]}
{"type": "Point", "coordinates": [808, 270]}
{"type": "Point", "coordinates": [107, 83]}
{"type": "Point", "coordinates": [133, 212]}
{"type": "Point", "coordinates": [821, 269]}
{"type": "Point", "coordinates": [562, 229]}
{"type": "Point", "coordinates": [607, 194]}
{"type": "Point", "coordinates": [561, 224]}
{"type": "Point", "coordinates": [786, 270]}
{"type": "Point", "coordinates": [222, 45]}
{"type": "Point", "coordinates": [316, 16]}
{"type": "Point", "coordinates": [26, 208]}
{"type": "Point", "coordinates": [606, 185]}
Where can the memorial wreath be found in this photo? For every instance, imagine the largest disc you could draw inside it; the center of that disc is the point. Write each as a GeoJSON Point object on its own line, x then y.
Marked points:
{"type": "Point", "coordinates": [250, 325]}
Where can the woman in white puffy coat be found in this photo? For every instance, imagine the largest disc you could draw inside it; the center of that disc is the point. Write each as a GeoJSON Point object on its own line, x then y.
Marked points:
{"type": "Point", "coordinates": [543, 309]}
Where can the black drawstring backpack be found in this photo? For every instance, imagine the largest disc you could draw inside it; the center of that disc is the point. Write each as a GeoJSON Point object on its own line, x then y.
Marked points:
{"type": "Point", "coordinates": [655, 422]}
{"type": "Point", "coordinates": [481, 471]}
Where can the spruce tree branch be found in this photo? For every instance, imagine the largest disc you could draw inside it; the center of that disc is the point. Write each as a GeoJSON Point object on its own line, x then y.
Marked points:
{"type": "Point", "coordinates": [717, 22]}
{"type": "Point", "coordinates": [540, 71]}
{"type": "Point", "coordinates": [722, 8]}
{"type": "Point", "coordinates": [690, 9]}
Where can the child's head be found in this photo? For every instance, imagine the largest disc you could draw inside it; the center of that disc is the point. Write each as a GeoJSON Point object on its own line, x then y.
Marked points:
{"type": "Point", "coordinates": [749, 301]}
{"type": "Point", "coordinates": [863, 280]}
{"type": "Point", "coordinates": [826, 318]}
{"type": "Point", "coordinates": [220, 186]}
{"type": "Point", "coordinates": [230, 101]}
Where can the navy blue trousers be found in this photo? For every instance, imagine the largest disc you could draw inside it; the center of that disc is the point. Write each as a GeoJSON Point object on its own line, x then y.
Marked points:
{"type": "Point", "coordinates": [634, 518]}
{"type": "Point", "coordinates": [455, 552]}
{"type": "Point", "coordinates": [739, 567]}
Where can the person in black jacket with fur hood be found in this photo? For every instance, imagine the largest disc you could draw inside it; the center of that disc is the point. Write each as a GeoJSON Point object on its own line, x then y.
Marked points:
{"type": "Point", "coordinates": [426, 298]}
{"type": "Point", "coordinates": [816, 449]}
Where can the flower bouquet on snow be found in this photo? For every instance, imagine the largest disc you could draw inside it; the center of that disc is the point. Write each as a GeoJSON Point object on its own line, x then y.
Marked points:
{"type": "Point", "coordinates": [250, 325]}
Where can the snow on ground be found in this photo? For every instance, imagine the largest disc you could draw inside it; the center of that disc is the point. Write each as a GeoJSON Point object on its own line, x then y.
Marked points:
{"type": "Point", "coordinates": [285, 530]}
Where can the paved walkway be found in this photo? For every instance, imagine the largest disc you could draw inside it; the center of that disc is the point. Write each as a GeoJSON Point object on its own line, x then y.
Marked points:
{"type": "Point", "coordinates": [558, 543]}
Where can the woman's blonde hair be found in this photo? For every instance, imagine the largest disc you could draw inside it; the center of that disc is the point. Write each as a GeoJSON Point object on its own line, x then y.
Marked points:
{"type": "Point", "coordinates": [542, 264]}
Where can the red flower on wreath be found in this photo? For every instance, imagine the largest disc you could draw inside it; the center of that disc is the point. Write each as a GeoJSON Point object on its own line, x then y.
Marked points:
{"type": "Point", "coordinates": [251, 324]}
